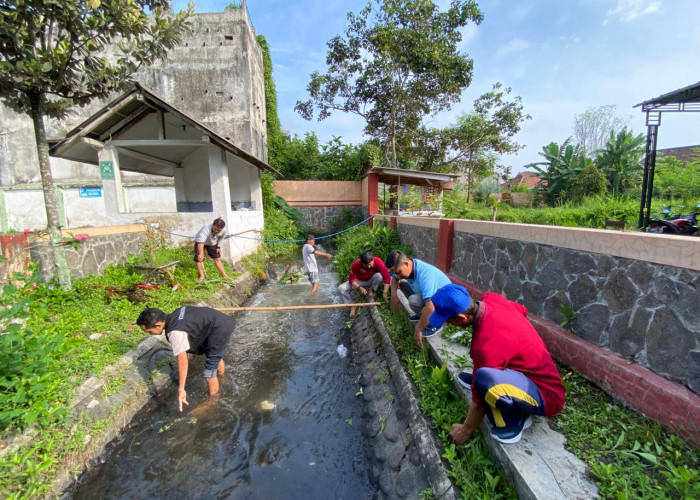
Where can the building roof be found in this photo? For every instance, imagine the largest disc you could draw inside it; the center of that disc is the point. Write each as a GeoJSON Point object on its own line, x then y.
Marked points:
{"type": "Point", "coordinates": [685, 99]}
{"type": "Point", "coordinates": [152, 136]}
{"type": "Point", "coordinates": [527, 179]}
{"type": "Point", "coordinates": [400, 176]}
{"type": "Point", "coordinates": [686, 154]}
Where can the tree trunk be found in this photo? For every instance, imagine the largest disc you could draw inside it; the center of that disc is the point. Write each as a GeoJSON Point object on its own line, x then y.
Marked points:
{"type": "Point", "coordinates": [393, 138]}
{"type": "Point", "coordinates": [53, 224]}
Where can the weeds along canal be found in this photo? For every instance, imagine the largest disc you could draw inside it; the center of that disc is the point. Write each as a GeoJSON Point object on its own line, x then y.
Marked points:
{"type": "Point", "coordinates": [286, 425]}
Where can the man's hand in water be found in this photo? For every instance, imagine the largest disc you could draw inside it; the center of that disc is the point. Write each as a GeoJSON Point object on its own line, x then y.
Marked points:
{"type": "Point", "coordinates": [182, 398]}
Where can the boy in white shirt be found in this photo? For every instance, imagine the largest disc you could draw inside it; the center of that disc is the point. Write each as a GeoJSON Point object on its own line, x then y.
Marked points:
{"type": "Point", "coordinates": [309, 253]}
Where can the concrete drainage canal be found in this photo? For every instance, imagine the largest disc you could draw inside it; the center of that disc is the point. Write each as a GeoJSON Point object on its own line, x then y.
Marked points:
{"type": "Point", "coordinates": [297, 418]}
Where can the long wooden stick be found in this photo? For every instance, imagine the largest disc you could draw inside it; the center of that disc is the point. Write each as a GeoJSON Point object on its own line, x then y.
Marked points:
{"type": "Point", "coordinates": [285, 308]}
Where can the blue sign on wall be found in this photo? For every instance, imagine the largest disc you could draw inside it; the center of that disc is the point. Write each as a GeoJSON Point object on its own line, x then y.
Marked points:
{"type": "Point", "coordinates": [90, 192]}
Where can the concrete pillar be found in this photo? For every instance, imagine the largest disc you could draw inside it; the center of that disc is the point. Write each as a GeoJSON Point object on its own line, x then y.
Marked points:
{"type": "Point", "coordinates": [372, 194]}
{"type": "Point", "coordinates": [111, 181]}
{"type": "Point", "coordinates": [220, 191]}
{"type": "Point", "coordinates": [180, 193]}
{"type": "Point", "coordinates": [444, 251]}
{"type": "Point", "coordinates": [256, 189]}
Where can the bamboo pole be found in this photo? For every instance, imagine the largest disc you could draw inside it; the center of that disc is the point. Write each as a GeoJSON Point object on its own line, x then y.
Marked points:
{"type": "Point", "coordinates": [286, 308]}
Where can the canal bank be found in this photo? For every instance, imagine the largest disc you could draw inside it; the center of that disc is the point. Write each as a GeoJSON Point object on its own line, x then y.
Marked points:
{"type": "Point", "coordinates": [329, 427]}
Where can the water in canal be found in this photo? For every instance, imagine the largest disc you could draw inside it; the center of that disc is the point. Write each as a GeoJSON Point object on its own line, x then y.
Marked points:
{"type": "Point", "coordinates": [309, 446]}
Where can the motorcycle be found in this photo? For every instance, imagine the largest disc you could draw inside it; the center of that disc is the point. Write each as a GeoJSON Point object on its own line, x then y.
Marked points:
{"type": "Point", "coordinates": [686, 225]}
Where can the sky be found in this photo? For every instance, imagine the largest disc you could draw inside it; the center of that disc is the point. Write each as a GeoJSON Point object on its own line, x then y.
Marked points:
{"type": "Point", "coordinates": [561, 57]}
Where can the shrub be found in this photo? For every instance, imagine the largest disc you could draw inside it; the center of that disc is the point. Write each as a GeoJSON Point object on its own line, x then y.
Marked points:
{"type": "Point", "coordinates": [380, 240]}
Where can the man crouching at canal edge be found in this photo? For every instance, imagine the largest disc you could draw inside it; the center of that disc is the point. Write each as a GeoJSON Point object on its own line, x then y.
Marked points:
{"type": "Point", "coordinates": [197, 330]}
{"type": "Point", "coordinates": [513, 376]}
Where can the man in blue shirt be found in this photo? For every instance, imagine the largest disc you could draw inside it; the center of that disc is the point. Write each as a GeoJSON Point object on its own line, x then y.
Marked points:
{"type": "Point", "coordinates": [423, 281]}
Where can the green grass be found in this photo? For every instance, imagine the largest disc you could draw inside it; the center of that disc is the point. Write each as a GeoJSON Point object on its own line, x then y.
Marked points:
{"type": "Point", "coordinates": [629, 455]}
{"type": "Point", "coordinates": [592, 212]}
{"type": "Point", "coordinates": [46, 353]}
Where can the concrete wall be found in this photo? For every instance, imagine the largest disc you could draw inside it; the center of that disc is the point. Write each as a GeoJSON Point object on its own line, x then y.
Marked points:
{"type": "Point", "coordinates": [634, 293]}
{"type": "Point", "coordinates": [320, 193]}
{"type": "Point", "coordinates": [23, 208]}
{"type": "Point", "coordinates": [215, 76]}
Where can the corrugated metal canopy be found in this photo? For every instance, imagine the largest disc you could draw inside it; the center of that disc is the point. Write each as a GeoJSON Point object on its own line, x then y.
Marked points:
{"type": "Point", "coordinates": [152, 136]}
{"type": "Point", "coordinates": [685, 99]}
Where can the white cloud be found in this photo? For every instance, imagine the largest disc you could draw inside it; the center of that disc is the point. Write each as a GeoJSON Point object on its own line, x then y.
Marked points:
{"type": "Point", "coordinates": [629, 10]}
{"type": "Point", "coordinates": [469, 33]}
{"type": "Point", "coordinates": [515, 45]}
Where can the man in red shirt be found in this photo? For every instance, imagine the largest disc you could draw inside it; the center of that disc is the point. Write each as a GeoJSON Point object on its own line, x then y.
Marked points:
{"type": "Point", "coordinates": [366, 273]}
{"type": "Point", "coordinates": [513, 376]}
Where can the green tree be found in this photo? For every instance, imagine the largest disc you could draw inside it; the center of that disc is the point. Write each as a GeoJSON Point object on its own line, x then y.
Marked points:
{"type": "Point", "coordinates": [397, 63]}
{"type": "Point", "coordinates": [52, 56]}
{"type": "Point", "coordinates": [589, 182]}
{"type": "Point", "coordinates": [675, 181]}
{"type": "Point", "coordinates": [621, 159]}
{"type": "Point", "coordinates": [471, 146]}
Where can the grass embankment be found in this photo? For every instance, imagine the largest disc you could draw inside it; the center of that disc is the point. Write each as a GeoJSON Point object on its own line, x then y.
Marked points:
{"type": "Point", "coordinates": [592, 212]}
{"type": "Point", "coordinates": [629, 455]}
{"type": "Point", "coordinates": [52, 340]}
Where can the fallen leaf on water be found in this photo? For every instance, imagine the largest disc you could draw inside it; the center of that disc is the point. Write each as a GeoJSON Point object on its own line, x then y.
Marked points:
{"type": "Point", "coordinates": [266, 405]}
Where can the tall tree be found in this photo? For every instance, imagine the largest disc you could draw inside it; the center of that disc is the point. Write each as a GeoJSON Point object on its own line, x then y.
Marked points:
{"type": "Point", "coordinates": [472, 145]}
{"type": "Point", "coordinates": [52, 56]}
{"type": "Point", "coordinates": [478, 138]}
{"type": "Point", "coordinates": [398, 62]}
{"type": "Point", "coordinates": [592, 128]}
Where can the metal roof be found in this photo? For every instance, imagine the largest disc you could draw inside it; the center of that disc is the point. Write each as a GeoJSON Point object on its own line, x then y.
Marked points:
{"type": "Point", "coordinates": [132, 122]}
{"type": "Point", "coordinates": [402, 176]}
{"type": "Point", "coordinates": [685, 99]}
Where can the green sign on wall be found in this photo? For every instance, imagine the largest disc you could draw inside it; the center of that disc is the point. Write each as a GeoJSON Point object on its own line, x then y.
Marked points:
{"type": "Point", "coordinates": [107, 170]}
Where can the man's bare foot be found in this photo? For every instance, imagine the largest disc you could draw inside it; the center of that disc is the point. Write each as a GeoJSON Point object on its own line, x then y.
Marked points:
{"type": "Point", "coordinates": [353, 310]}
{"type": "Point", "coordinates": [200, 279]}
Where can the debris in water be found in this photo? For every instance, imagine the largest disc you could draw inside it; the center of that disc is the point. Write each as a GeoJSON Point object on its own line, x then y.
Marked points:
{"type": "Point", "coordinates": [266, 405]}
{"type": "Point", "coordinates": [342, 350]}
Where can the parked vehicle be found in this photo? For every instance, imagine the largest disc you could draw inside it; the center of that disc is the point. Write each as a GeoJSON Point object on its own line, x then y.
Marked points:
{"type": "Point", "coordinates": [686, 225]}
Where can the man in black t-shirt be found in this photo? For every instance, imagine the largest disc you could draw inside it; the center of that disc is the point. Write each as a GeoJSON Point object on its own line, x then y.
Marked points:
{"type": "Point", "coordinates": [196, 330]}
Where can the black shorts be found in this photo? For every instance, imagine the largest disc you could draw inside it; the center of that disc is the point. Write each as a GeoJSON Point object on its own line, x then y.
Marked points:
{"type": "Point", "coordinates": [213, 251]}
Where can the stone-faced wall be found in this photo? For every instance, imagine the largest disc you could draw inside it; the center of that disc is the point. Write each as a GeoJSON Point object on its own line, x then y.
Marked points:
{"type": "Point", "coordinates": [632, 293]}
{"type": "Point", "coordinates": [640, 310]}
{"type": "Point", "coordinates": [330, 219]}
{"type": "Point", "coordinates": [92, 256]}
{"type": "Point", "coordinates": [423, 240]}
